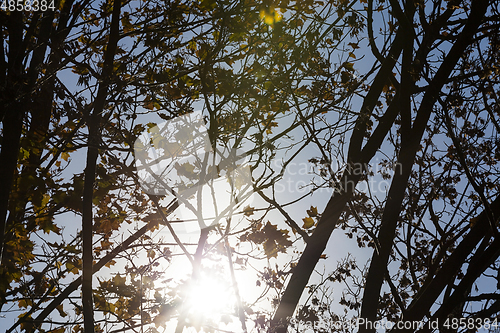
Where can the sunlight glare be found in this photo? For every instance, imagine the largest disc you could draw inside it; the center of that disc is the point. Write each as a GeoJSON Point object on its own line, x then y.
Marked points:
{"type": "Point", "coordinates": [209, 298]}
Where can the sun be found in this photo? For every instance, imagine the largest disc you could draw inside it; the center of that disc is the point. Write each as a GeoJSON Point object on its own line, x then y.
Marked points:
{"type": "Point", "coordinates": [208, 300]}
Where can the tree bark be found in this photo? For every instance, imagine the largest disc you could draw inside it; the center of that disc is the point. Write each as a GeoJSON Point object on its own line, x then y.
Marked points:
{"type": "Point", "coordinates": [12, 117]}
{"type": "Point", "coordinates": [94, 141]}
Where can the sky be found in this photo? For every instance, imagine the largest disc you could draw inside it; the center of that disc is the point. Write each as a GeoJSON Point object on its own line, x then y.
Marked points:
{"type": "Point", "coordinates": [293, 185]}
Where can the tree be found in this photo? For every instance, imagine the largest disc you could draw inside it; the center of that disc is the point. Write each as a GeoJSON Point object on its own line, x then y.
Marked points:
{"type": "Point", "coordinates": [126, 59]}
{"type": "Point", "coordinates": [425, 107]}
{"type": "Point", "coordinates": [423, 91]}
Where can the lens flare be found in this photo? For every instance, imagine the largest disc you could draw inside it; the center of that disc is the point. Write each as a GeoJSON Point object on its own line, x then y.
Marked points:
{"type": "Point", "coordinates": [270, 16]}
{"type": "Point", "coordinates": [208, 299]}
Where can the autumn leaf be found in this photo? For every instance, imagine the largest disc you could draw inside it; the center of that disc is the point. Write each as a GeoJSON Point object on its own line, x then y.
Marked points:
{"type": "Point", "coordinates": [71, 268]}
{"type": "Point", "coordinates": [273, 239]}
{"type": "Point", "coordinates": [24, 154]}
{"type": "Point", "coordinates": [353, 45]}
{"type": "Point", "coordinates": [24, 303]}
{"type": "Point", "coordinates": [248, 211]}
{"type": "Point", "coordinates": [208, 4]}
{"type": "Point", "coordinates": [312, 212]}
{"type": "Point", "coordinates": [72, 249]}
{"type": "Point", "coordinates": [171, 149]}
{"type": "Point", "coordinates": [270, 16]}
{"type": "Point", "coordinates": [186, 170]}
{"type": "Point", "coordinates": [47, 225]}
{"type": "Point", "coordinates": [110, 263]}
{"type": "Point", "coordinates": [270, 249]}
{"type": "Point", "coordinates": [308, 222]}
{"type": "Point", "coordinates": [127, 25]}
{"type": "Point", "coordinates": [149, 103]}
{"type": "Point", "coordinates": [61, 311]}
{"type": "Point", "coordinates": [118, 280]}
{"type": "Point", "coordinates": [348, 66]}
{"type": "Point", "coordinates": [345, 76]}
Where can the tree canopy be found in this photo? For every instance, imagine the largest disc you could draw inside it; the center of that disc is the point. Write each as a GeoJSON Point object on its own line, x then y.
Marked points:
{"type": "Point", "coordinates": [149, 157]}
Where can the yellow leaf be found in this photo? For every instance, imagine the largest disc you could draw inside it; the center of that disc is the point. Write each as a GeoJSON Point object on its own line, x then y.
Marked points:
{"type": "Point", "coordinates": [24, 153]}
{"type": "Point", "coordinates": [192, 45]}
{"type": "Point", "coordinates": [45, 200]}
{"type": "Point", "coordinates": [65, 156]}
{"type": "Point", "coordinates": [308, 222]}
{"type": "Point", "coordinates": [270, 16]}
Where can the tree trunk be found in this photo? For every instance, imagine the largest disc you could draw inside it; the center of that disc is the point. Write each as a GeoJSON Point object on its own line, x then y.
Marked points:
{"type": "Point", "coordinates": [94, 142]}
